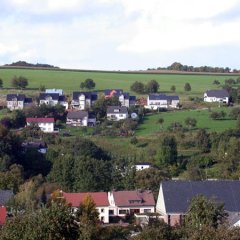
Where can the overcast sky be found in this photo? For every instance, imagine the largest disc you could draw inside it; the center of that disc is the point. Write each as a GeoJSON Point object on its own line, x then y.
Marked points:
{"type": "Point", "coordinates": [120, 34]}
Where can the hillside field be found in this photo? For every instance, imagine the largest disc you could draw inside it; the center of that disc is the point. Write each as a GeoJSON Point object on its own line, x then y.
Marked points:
{"type": "Point", "coordinates": [70, 80]}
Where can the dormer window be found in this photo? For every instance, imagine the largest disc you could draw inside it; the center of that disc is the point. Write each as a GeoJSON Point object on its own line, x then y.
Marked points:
{"type": "Point", "coordinates": [116, 110]}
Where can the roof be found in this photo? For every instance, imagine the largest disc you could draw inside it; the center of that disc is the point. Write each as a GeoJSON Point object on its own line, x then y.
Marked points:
{"type": "Point", "coordinates": [88, 95]}
{"type": "Point", "coordinates": [221, 93]}
{"type": "Point", "coordinates": [44, 96]}
{"type": "Point", "coordinates": [40, 120]}
{"type": "Point", "coordinates": [34, 144]}
{"type": "Point", "coordinates": [113, 92]}
{"type": "Point", "coordinates": [132, 98]}
{"type": "Point", "coordinates": [75, 199]}
{"type": "Point", "coordinates": [178, 194]}
{"type": "Point", "coordinates": [117, 110]}
{"type": "Point", "coordinates": [162, 97]}
{"type": "Point", "coordinates": [5, 196]}
{"type": "Point", "coordinates": [54, 90]}
{"type": "Point", "coordinates": [133, 198]}
{"type": "Point", "coordinates": [77, 115]}
{"type": "Point", "coordinates": [3, 215]}
{"type": "Point", "coordinates": [19, 97]}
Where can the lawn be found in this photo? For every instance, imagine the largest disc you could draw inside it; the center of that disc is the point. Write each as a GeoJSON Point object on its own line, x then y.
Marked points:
{"type": "Point", "coordinates": [70, 80]}
{"type": "Point", "coordinates": [150, 125]}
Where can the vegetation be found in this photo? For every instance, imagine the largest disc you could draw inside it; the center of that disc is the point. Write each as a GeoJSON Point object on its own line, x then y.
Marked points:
{"type": "Point", "coordinates": [88, 84]}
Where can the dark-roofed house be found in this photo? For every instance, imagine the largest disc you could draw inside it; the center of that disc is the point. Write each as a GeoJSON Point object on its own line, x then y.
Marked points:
{"type": "Point", "coordinates": [130, 202]}
{"type": "Point", "coordinates": [81, 118]}
{"type": "Point", "coordinates": [99, 198]}
{"type": "Point", "coordinates": [156, 101]}
{"type": "Point", "coordinates": [175, 197]}
{"type": "Point", "coordinates": [40, 146]}
{"type": "Point", "coordinates": [116, 113]}
{"type": "Point", "coordinates": [45, 124]}
{"type": "Point", "coordinates": [124, 98]}
{"type": "Point", "coordinates": [18, 101]}
{"type": "Point", "coordinates": [52, 99]}
{"type": "Point", "coordinates": [220, 95]}
{"type": "Point", "coordinates": [5, 196]}
{"type": "Point", "coordinates": [83, 100]}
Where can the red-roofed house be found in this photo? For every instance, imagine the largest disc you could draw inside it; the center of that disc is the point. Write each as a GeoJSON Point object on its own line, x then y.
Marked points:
{"type": "Point", "coordinates": [3, 215]}
{"type": "Point", "coordinates": [124, 202]}
{"type": "Point", "coordinates": [46, 124]}
{"type": "Point", "coordinates": [100, 199]}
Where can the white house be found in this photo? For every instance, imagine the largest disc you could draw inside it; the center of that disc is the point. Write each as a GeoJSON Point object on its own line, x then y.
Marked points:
{"type": "Point", "coordinates": [142, 166]}
{"type": "Point", "coordinates": [124, 98]}
{"type": "Point", "coordinates": [221, 95]}
{"type": "Point", "coordinates": [99, 198]}
{"type": "Point", "coordinates": [18, 101]}
{"type": "Point", "coordinates": [83, 100]}
{"type": "Point", "coordinates": [130, 202]}
{"type": "Point", "coordinates": [175, 197]}
{"type": "Point", "coordinates": [45, 124]}
{"type": "Point", "coordinates": [52, 99]}
{"type": "Point", "coordinates": [81, 118]}
{"type": "Point", "coordinates": [116, 113]}
{"type": "Point", "coordinates": [156, 101]}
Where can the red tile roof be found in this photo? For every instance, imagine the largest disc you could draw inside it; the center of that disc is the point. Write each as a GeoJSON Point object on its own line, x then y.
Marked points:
{"type": "Point", "coordinates": [3, 215]}
{"type": "Point", "coordinates": [100, 198]}
{"type": "Point", "coordinates": [40, 120]}
{"type": "Point", "coordinates": [133, 198]}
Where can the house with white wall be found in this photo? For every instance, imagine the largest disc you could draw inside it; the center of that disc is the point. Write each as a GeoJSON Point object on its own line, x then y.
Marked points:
{"type": "Point", "coordinates": [174, 198]}
{"type": "Point", "coordinates": [81, 119]}
{"type": "Point", "coordinates": [83, 100]}
{"type": "Point", "coordinates": [157, 101]}
{"type": "Point", "coordinates": [116, 113]}
{"type": "Point", "coordinates": [18, 101]}
{"type": "Point", "coordinates": [220, 95]}
{"type": "Point", "coordinates": [45, 124]}
{"type": "Point", "coordinates": [52, 99]}
{"type": "Point", "coordinates": [99, 198]}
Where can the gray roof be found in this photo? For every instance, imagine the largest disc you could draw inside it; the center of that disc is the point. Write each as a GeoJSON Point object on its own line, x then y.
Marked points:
{"type": "Point", "coordinates": [222, 93]}
{"type": "Point", "coordinates": [5, 196]}
{"type": "Point", "coordinates": [77, 115]}
{"type": "Point", "coordinates": [117, 110]}
{"type": "Point", "coordinates": [162, 97]}
{"type": "Point", "coordinates": [178, 194]}
{"type": "Point", "coordinates": [19, 97]}
{"type": "Point", "coordinates": [88, 95]}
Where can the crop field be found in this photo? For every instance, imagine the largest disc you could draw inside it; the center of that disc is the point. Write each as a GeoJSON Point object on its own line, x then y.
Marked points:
{"type": "Point", "coordinates": [70, 80]}
{"type": "Point", "coordinates": [151, 126]}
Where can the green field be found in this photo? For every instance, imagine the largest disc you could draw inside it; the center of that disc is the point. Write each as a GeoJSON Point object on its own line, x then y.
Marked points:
{"type": "Point", "coordinates": [70, 80]}
{"type": "Point", "coordinates": [150, 125]}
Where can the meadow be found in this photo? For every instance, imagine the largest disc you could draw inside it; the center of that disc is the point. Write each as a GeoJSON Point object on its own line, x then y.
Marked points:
{"type": "Point", "coordinates": [70, 80]}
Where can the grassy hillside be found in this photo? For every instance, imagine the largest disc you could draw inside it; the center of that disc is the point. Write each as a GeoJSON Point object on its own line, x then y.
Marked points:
{"type": "Point", "coordinates": [70, 80]}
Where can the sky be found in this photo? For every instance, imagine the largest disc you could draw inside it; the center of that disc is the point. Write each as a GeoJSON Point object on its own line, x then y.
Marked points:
{"type": "Point", "coordinates": [120, 34]}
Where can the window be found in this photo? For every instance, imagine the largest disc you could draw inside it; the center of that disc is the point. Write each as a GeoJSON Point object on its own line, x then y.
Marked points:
{"type": "Point", "coordinates": [102, 210]}
{"type": "Point", "coordinates": [102, 219]}
{"type": "Point", "coordinates": [111, 212]}
{"type": "Point", "coordinates": [122, 211]}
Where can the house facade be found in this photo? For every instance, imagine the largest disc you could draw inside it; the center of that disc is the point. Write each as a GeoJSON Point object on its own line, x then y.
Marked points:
{"type": "Point", "coordinates": [221, 96]}
{"type": "Point", "coordinates": [130, 202]}
{"type": "Point", "coordinates": [81, 118]}
{"type": "Point", "coordinates": [99, 198]}
{"type": "Point", "coordinates": [124, 98]}
{"type": "Point", "coordinates": [45, 124]}
{"type": "Point", "coordinates": [116, 113]}
{"type": "Point", "coordinates": [156, 101]}
{"type": "Point", "coordinates": [52, 99]}
{"type": "Point", "coordinates": [83, 100]}
{"type": "Point", "coordinates": [18, 101]}
{"type": "Point", "coordinates": [175, 197]}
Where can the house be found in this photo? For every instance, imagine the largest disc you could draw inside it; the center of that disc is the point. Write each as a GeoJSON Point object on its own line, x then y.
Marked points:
{"type": "Point", "coordinates": [130, 202]}
{"type": "Point", "coordinates": [52, 99]}
{"type": "Point", "coordinates": [116, 113]}
{"type": "Point", "coordinates": [99, 198]}
{"type": "Point", "coordinates": [141, 166]}
{"type": "Point", "coordinates": [83, 100]}
{"type": "Point", "coordinates": [54, 90]}
{"type": "Point", "coordinates": [124, 98]}
{"type": "Point", "coordinates": [156, 101]}
{"type": "Point", "coordinates": [221, 95]}
{"type": "Point", "coordinates": [81, 118]}
{"type": "Point", "coordinates": [18, 101]}
{"type": "Point", "coordinates": [40, 146]}
{"type": "Point", "coordinates": [45, 124]}
{"type": "Point", "coordinates": [175, 197]}
{"type": "Point", "coordinates": [5, 196]}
